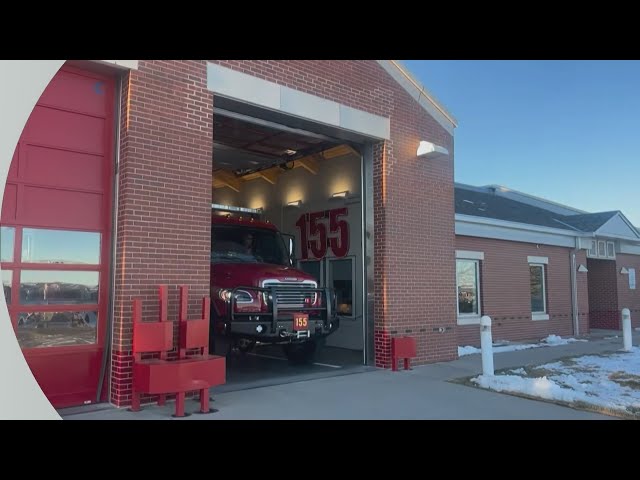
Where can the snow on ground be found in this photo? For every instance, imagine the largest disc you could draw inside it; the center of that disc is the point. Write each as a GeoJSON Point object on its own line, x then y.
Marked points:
{"type": "Point", "coordinates": [610, 381]}
{"type": "Point", "coordinates": [550, 341]}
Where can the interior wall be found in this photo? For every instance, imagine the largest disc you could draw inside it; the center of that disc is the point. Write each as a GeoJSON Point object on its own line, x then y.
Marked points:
{"type": "Point", "coordinates": [315, 192]}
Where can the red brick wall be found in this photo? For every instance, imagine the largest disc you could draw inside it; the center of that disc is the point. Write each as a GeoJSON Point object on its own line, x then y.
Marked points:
{"type": "Point", "coordinates": [505, 291]}
{"type": "Point", "coordinates": [165, 184]}
{"type": "Point", "coordinates": [163, 217]}
{"type": "Point", "coordinates": [628, 298]}
{"type": "Point", "coordinates": [603, 294]}
{"type": "Point", "coordinates": [413, 200]}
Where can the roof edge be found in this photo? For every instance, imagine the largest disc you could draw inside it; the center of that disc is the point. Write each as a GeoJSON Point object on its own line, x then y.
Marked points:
{"type": "Point", "coordinates": [461, 217]}
{"type": "Point", "coordinates": [622, 217]}
{"type": "Point", "coordinates": [419, 93]}
{"type": "Point", "coordinates": [534, 197]}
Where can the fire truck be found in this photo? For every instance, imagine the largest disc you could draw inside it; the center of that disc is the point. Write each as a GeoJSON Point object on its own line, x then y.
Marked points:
{"type": "Point", "coordinates": [258, 295]}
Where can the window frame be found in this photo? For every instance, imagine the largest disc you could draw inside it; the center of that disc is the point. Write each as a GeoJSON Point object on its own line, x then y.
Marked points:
{"type": "Point", "coordinates": [329, 282]}
{"type": "Point", "coordinates": [544, 314]}
{"type": "Point", "coordinates": [17, 266]}
{"type": "Point", "coordinates": [476, 258]}
{"type": "Point", "coordinates": [613, 249]}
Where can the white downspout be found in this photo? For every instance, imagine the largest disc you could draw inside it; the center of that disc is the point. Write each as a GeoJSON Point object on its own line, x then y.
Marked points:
{"type": "Point", "coordinates": [574, 290]}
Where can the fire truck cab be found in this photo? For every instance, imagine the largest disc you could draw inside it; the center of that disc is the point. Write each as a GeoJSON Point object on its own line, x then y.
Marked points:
{"type": "Point", "coordinates": [258, 295]}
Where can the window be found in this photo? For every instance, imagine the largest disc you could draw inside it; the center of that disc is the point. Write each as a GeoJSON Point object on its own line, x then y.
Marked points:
{"type": "Point", "coordinates": [6, 285]}
{"type": "Point", "coordinates": [341, 274]}
{"type": "Point", "coordinates": [538, 291]}
{"type": "Point", "coordinates": [468, 286]}
{"type": "Point", "coordinates": [7, 237]}
{"type": "Point", "coordinates": [238, 244]}
{"type": "Point", "coordinates": [57, 329]}
{"type": "Point", "coordinates": [58, 246]}
{"type": "Point", "coordinates": [54, 280]}
{"type": "Point", "coordinates": [601, 249]}
{"type": "Point", "coordinates": [611, 250]}
{"type": "Point", "coordinates": [43, 287]}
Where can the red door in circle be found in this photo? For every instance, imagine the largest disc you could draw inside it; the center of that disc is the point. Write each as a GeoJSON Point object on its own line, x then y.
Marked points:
{"type": "Point", "coordinates": [56, 235]}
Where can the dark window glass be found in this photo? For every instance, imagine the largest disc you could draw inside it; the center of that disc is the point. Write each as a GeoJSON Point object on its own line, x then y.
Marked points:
{"type": "Point", "coordinates": [467, 278]}
{"type": "Point", "coordinates": [342, 282]}
{"type": "Point", "coordinates": [536, 275]}
{"type": "Point", "coordinates": [239, 244]}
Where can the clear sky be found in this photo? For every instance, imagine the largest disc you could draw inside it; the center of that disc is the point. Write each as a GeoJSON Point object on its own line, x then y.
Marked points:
{"type": "Point", "coordinates": [568, 131]}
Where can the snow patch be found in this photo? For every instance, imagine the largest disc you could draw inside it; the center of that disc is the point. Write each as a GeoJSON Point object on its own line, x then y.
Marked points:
{"type": "Point", "coordinates": [500, 347]}
{"type": "Point", "coordinates": [611, 381]}
{"type": "Point", "coordinates": [462, 351]}
{"type": "Point", "coordinates": [536, 387]}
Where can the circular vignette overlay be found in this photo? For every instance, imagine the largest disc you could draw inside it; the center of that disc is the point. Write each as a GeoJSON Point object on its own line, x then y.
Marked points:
{"type": "Point", "coordinates": [21, 85]}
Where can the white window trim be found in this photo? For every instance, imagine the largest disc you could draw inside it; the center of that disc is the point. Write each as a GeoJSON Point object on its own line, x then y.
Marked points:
{"type": "Point", "coordinates": [470, 318]}
{"type": "Point", "coordinates": [606, 243]}
{"type": "Point", "coordinates": [538, 260]}
{"type": "Point", "coordinates": [544, 315]}
{"type": "Point", "coordinates": [469, 255]}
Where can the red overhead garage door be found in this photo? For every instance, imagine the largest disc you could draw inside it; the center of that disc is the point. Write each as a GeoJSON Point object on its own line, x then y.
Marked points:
{"type": "Point", "coordinates": [56, 234]}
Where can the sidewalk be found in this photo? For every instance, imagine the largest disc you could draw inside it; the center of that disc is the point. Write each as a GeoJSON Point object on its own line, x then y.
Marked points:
{"type": "Point", "coordinates": [422, 393]}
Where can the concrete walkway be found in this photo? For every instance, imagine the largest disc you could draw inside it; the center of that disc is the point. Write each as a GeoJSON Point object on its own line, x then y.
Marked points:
{"type": "Point", "coordinates": [422, 393]}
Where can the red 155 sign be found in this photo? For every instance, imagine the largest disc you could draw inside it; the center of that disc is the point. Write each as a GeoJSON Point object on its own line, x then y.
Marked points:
{"type": "Point", "coordinates": [314, 237]}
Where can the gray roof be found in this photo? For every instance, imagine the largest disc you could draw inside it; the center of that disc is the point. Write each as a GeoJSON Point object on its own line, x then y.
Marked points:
{"type": "Point", "coordinates": [591, 221]}
{"type": "Point", "coordinates": [484, 202]}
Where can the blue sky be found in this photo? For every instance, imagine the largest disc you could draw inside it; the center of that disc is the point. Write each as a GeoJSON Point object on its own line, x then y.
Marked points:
{"type": "Point", "coordinates": [568, 130]}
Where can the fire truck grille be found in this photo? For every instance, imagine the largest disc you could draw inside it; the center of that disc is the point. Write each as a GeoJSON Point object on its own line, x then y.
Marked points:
{"type": "Point", "coordinates": [291, 294]}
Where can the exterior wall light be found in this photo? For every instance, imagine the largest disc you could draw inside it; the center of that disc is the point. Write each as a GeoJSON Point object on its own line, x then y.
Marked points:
{"type": "Point", "coordinates": [431, 150]}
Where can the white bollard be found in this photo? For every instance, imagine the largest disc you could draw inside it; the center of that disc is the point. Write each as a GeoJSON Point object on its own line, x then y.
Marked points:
{"type": "Point", "coordinates": [486, 344]}
{"type": "Point", "coordinates": [626, 329]}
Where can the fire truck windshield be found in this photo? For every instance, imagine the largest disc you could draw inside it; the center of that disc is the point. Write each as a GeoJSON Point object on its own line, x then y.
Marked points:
{"type": "Point", "coordinates": [238, 244]}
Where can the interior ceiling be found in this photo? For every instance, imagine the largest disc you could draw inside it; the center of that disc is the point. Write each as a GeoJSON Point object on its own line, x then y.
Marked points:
{"type": "Point", "coordinates": [244, 147]}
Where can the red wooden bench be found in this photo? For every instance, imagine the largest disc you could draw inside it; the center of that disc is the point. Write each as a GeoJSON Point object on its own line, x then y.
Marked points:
{"type": "Point", "coordinates": [402, 348]}
{"type": "Point", "coordinates": [188, 373]}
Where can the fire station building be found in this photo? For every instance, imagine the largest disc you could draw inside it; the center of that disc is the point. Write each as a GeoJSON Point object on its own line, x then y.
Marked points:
{"type": "Point", "coordinates": [122, 164]}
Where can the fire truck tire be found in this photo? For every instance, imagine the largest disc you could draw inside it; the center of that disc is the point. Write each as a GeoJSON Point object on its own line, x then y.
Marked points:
{"type": "Point", "coordinates": [303, 353]}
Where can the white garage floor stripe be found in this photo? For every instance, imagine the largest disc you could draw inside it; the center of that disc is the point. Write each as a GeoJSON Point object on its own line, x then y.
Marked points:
{"type": "Point", "coordinates": [284, 360]}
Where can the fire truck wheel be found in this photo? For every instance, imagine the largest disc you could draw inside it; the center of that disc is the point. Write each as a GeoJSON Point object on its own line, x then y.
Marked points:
{"type": "Point", "coordinates": [302, 353]}
{"type": "Point", "coordinates": [245, 346]}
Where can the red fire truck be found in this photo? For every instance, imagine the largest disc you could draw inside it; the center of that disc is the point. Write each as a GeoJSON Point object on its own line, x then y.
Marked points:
{"type": "Point", "coordinates": [258, 295]}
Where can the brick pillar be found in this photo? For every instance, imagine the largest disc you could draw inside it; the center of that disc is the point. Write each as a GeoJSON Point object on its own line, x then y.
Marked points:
{"type": "Point", "coordinates": [164, 199]}
{"type": "Point", "coordinates": [414, 240]}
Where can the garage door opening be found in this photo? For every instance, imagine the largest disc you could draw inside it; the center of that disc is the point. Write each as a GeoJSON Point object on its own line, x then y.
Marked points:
{"type": "Point", "coordinates": [286, 212]}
